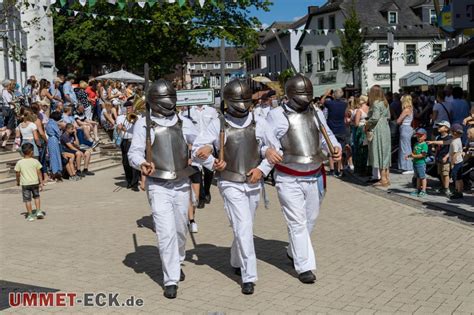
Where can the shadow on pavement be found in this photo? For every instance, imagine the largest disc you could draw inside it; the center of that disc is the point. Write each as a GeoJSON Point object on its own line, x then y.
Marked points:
{"type": "Point", "coordinates": [146, 222]}
{"type": "Point", "coordinates": [145, 259]}
{"type": "Point", "coordinates": [455, 211]}
{"type": "Point", "coordinates": [122, 183]}
{"type": "Point", "coordinates": [8, 287]}
{"type": "Point", "coordinates": [273, 252]}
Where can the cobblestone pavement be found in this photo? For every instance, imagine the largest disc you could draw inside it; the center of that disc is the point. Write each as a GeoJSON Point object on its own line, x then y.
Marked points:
{"type": "Point", "coordinates": [374, 255]}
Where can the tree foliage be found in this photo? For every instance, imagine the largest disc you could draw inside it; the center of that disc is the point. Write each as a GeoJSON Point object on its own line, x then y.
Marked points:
{"type": "Point", "coordinates": [83, 40]}
{"type": "Point", "coordinates": [352, 50]}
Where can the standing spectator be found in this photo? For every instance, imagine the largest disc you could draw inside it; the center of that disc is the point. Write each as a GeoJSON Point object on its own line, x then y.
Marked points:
{"type": "Point", "coordinates": [34, 91]}
{"type": "Point", "coordinates": [45, 96]}
{"type": "Point", "coordinates": [28, 175]}
{"type": "Point", "coordinates": [379, 134]}
{"type": "Point", "coordinates": [406, 133]}
{"type": "Point", "coordinates": [395, 107]}
{"type": "Point", "coordinates": [360, 140]}
{"type": "Point", "coordinates": [442, 111]}
{"type": "Point", "coordinates": [456, 158]}
{"type": "Point", "coordinates": [27, 131]}
{"type": "Point", "coordinates": [83, 100]}
{"type": "Point", "coordinates": [6, 93]}
{"type": "Point", "coordinates": [442, 155]}
{"type": "Point", "coordinates": [92, 97]}
{"type": "Point", "coordinates": [263, 108]}
{"type": "Point", "coordinates": [448, 92]}
{"type": "Point", "coordinates": [461, 109]}
{"type": "Point", "coordinates": [56, 94]}
{"type": "Point", "coordinates": [7, 122]}
{"type": "Point", "coordinates": [420, 150]}
{"type": "Point", "coordinates": [54, 148]}
{"type": "Point", "coordinates": [337, 108]}
{"type": "Point", "coordinates": [43, 139]}
{"type": "Point", "coordinates": [68, 91]}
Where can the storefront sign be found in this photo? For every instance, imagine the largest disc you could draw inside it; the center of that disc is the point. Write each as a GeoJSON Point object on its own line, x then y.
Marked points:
{"type": "Point", "coordinates": [383, 76]}
{"type": "Point", "coordinates": [327, 78]}
{"type": "Point", "coordinates": [195, 97]}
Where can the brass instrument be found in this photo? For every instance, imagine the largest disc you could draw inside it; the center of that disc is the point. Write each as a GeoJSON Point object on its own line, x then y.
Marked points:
{"type": "Point", "coordinates": [132, 117]}
{"type": "Point", "coordinates": [138, 108]}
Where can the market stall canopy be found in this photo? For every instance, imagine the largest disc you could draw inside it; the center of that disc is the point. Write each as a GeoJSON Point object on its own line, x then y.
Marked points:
{"type": "Point", "coordinates": [123, 76]}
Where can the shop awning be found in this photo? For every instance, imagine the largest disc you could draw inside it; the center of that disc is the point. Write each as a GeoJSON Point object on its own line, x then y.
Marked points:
{"type": "Point", "coordinates": [419, 78]}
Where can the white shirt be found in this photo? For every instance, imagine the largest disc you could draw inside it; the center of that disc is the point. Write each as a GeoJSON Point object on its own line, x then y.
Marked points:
{"type": "Point", "coordinates": [263, 134]}
{"type": "Point", "coordinates": [7, 96]}
{"type": "Point", "coordinates": [279, 122]}
{"type": "Point", "coordinates": [456, 148]}
{"type": "Point", "coordinates": [27, 132]}
{"type": "Point", "coordinates": [201, 116]}
{"type": "Point", "coordinates": [136, 153]}
{"type": "Point", "coordinates": [122, 120]}
{"type": "Point", "coordinates": [262, 111]}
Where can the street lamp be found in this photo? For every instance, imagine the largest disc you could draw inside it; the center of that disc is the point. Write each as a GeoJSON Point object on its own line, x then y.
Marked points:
{"type": "Point", "coordinates": [390, 45]}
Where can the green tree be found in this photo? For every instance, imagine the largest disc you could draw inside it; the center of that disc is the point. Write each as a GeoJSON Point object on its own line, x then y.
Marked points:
{"type": "Point", "coordinates": [352, 50]}
{"type": "Point", "coordinates": [82, 40]}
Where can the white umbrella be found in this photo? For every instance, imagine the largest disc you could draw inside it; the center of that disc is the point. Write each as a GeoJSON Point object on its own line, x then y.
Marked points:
{"type": "Point", "coordinates": [123, 76]}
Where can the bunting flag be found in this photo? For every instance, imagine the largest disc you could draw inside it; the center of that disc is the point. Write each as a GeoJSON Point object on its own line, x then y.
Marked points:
{"type": "Point", "coordinates": [82, 2]}
{"type": "Point", "coordinates": [92, 3]}
{"type": "Point", "coordinates": [141, 4]}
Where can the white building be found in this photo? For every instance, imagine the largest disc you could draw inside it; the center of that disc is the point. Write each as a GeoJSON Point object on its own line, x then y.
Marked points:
{"type": "Point", "coordinates": [417, 43]}
{"type": "Point", "coordinates": [205, 70]}
{"type": "Point", "coordinates": [26, 49]}
{"type": "Point", "coordinates": [269, 59]}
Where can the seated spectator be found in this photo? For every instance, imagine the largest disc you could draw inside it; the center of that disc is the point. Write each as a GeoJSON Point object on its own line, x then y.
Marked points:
{"type": "Point", "coordinates": [55, 92]}
{"type": "Point", "coordinates": [107, 120]}
{"type": "Point", "coordinates": [7, 122]}
{"type": "Point", "coordinates": [89, 127]}
{"type": "Point", "coordinates": [70, 145]}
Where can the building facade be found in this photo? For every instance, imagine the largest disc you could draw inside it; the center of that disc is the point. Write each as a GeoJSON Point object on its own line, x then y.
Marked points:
{"type": "Point", "coordinates": [416, 43]}
{"type": "Point", "coordinates": [205, 70]}
{"type": "Point", "coordinates": [27, 42]}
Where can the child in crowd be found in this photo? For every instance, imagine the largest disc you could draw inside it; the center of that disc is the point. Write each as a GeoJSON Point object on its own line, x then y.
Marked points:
{"type": "Point", "coordinates": [456, 158]}
{"type": "Point", "coordinates": [420, 150]}
{"type": "Point", "coordinates": [442, 155]}
{"type": "Point", "coordinates": [28, 175]}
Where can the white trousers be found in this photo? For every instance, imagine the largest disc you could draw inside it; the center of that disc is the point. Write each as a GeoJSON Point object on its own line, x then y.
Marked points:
{"type": "Point", "coordinates": [169, 205]}
{"type": "Point", "coordinates": [240, 206]}
{"type": "Point", "coordinates": [300, 202]}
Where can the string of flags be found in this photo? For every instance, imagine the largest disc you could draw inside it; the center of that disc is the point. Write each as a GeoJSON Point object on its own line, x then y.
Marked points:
{"type": "Point", "coordinates": [121, 4]}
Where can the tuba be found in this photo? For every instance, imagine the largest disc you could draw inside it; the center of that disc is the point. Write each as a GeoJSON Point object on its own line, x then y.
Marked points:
{"type": "Point", "coordinates": [138, 108]}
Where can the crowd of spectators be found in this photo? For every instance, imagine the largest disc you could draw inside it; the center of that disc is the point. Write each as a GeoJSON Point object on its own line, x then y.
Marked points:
{"type": "Point", "coordinates": [60, 120]}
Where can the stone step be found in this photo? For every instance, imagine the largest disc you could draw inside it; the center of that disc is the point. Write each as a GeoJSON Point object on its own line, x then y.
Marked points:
{"type": "Point", "coordinates": [4, 173]}
{"type": "Point", "coordinates": [10, 162]}
{"type": "Point", "coordinates": [8, 154]}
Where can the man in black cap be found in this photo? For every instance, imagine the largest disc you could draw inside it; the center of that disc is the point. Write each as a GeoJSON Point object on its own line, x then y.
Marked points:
{"type": "Point", "coordinates": [125, 129]}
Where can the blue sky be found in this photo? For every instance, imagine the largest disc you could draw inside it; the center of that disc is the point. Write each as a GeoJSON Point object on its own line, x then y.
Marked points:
{"type": "Point", "coordinates": [285, 10]}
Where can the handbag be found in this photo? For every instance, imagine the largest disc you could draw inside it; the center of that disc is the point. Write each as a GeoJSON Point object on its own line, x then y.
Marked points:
{"type": "Point", "coordinates": [117, 137]}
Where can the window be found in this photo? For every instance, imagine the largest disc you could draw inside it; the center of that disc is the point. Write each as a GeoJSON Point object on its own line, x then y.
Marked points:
{"type": "Point", "coordinates": [269, 60]}
{"type": "Point", "coordinates": [392, 17]}
{"type": "Point", "coordinates": [217, 66]}
{"type": "Point", "coordinates": [228, 65]}
{"type": "Point", "coordinates": [204, 66]}
{"type": "Point", "coordinates": [335, 60]}
{"type": "Point", "coordinates": [384, 58]}
{"type": "Point", "coordinates": [410, 54]}
{"type": "Point", "coordinates": [437, 48]}
{"type": "Point", "coordinates": [433, 17]}
{"type": "Point", "coordinates": [332, 22]}
{"type": "Point", "coordinates": [192, 66]}
{"type": "Point", "coordinates": [321, 60]}
{"type": "Point", "coordinates": [321, 23]}
{"type": "Point", "coordinates": [309, 62]}
{"type": "Point", "coordinates": [275, 62]}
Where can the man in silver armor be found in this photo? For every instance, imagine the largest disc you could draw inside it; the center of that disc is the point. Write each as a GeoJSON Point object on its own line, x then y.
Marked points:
{"type": "Point", "coordinates": [239, 174]}
{"type": "Point", "coordinates": [299, 173]}
{"type": "Point", "coordinates": [167, 183]}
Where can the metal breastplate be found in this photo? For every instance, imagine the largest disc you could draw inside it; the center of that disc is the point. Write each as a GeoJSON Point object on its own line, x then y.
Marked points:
{"type": "Point", "coordinates": [170, 153]}
{"type": "Point", "coordinates": [241, 152]}
{"type": "Point", "coordinates": [301, 144]}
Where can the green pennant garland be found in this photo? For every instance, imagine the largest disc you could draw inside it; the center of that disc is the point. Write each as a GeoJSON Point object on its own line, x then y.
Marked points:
{"type": "Point", "coordinates": [122, 4]}
{"type": "Point", "coordinates": [151, 3]}
{"type": "Point", "coordinates": [63, 2]}
{"type": "Point", "coordinates": [92, 3]}
{"type": "Point", "coordinates": [181, 2]}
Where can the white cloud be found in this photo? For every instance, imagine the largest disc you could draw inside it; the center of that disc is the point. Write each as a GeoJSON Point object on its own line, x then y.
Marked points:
{"type": "Point", "coordinates": [296, 18]}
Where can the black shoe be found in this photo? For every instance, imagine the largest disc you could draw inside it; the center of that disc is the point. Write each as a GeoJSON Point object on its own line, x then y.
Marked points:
{"type": "Point", "coordinates": [307, 277]}
{"type": "Point", "coordinates": [247, 288]}
{"type": "Point", "coordinates": [88, 173]}
{"type": "Point", "coordinates": [207, 199]}
{"type": "Point", "coordinates": [372, 181]}
{"type": "Point", "coordinates": [331, 173]}
{"type": "Point", "coordinates": [201, 204]}
{"type": "Point", "coordinates": [238, 272]}
{"type": "Point", "coordinates": [182, 276]}
{"type": "Point", "coordinates": [170, 291]}
{"type": "Point", "coordinates": [129, 186]}
{"type": "Point", "coordinates": [456, 195]}
{"type": "Point", "coordinates": [80, 174]}
{"type": "Point", "coordinates": [135, 188]}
